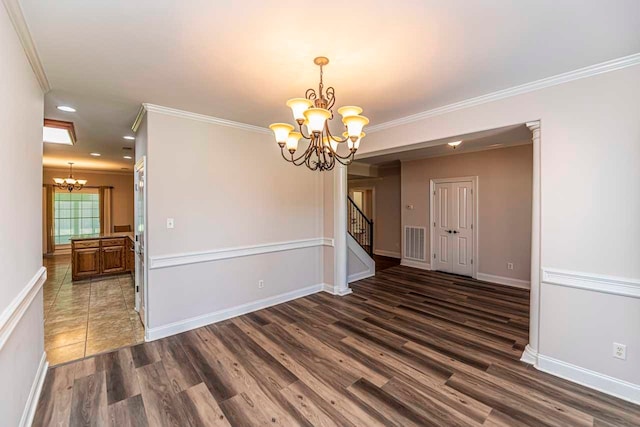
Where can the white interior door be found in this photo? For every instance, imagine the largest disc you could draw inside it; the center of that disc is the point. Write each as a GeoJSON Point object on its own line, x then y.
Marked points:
{"type": "Point", "coordinates": [453, 212]}
{"type": "Point", "coordinates": [442, 228]}
{"type": "Point", "coordinates": [140, 215]}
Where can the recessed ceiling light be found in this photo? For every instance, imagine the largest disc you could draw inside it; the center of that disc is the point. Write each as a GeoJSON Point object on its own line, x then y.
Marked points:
{"type": "Point", "coordinates": [66, 108]}
{"type": "Point", "coordinates": [454, 144]}
{"type": "Point", "coordinates": [128, 157]}
{"type": "Point", "coordinates": [95, 154]}
{"type": "Point", "coordinates": [130, 138]}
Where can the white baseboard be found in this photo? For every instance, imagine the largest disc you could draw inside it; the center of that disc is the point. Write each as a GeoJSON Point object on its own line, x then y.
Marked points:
{"type": "Point", "coordinates": [507, 281]}
{"type": "Point", "coordinates": [362, 275]}
{"type": "Point", "coordinates": [330, 289]}
{"type": "Point", "coordinates": [415, 264]}
{"type": "Point", "coordinates": [529, 356]}
{"type": "Point", "coordinates": [34, 394]}
{"type": "Point", "coordinates": [390, 254]}
{"type": "Point", "coordinates": [595, 380]}
{"type": "Point", "coordinates": [209, 318]}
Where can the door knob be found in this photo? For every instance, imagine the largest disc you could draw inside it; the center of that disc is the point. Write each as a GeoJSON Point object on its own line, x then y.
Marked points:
{"type": "Point", "coordinates": [448, 231]}
{"type": "Point", "coordinates": [455, 231]}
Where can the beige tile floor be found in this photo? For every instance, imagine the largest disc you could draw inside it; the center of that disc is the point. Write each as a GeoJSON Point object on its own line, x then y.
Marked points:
{"type": "Point", "coordinates": [87, 317]}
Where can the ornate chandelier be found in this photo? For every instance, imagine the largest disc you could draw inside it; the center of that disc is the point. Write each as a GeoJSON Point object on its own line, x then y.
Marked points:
{"type": "Point", "coordinates": [70, 183]}
{"type": "Point", "coordinates": [314, 111]}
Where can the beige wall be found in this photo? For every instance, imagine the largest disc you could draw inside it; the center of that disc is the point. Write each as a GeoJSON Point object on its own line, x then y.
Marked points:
{"type": "Point", "coordinates": [590, 201]}
{"type": "Point", "coordinates": [21, 114]}
{"type": "Point", "coordinates": [504, 214]}
{"type": "Point", "coordinates": [122, 195]}
{"type": "Point", "coordinates": [386, 215]}
{"type": "Point", "coordinates": [225, 188]}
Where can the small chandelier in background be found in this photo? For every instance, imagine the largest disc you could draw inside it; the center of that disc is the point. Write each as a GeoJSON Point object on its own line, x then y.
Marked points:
{"type": "Point", "coordinates": [70, 183]}
{"type": "Point", "coordinates": [314, 111]}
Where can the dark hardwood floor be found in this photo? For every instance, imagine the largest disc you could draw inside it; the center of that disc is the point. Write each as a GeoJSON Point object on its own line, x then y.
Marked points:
{"type": "Point", "coordinates": [408, 347]}
{"type": "Point", "coordinates": [384, 262]}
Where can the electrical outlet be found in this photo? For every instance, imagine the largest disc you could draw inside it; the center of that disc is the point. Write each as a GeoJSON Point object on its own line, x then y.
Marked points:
{"type": "Point", "coordinates": [169, 222]}
{"type": "Point", "coordinates": [509, 266]}
{"type": "Point", "coordinates": [619, 351]}
{"type": "Point", "coordinates": [260, 284]}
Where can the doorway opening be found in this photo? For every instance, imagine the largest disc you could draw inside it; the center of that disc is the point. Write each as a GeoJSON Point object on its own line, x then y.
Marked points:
{"type": "Point", "coordinates": [90, 304]}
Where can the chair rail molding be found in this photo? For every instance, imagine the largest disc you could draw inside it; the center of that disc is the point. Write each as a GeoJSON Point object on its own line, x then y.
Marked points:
{"type": "Point", "coordinates": [11, 315]}
{"type": "Point", "coordinates": [592, 282]}
{"type": "Point", "coordinates": [174, 260]}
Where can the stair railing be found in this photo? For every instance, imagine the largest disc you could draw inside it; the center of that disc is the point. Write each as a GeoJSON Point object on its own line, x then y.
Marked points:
{"type": "Point", "coordinates": [360, 227]}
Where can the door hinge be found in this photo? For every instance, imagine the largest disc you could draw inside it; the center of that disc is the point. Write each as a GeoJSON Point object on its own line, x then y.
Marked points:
{"type": "Point", "coordinates": [471, 261]}
{"type": "Point", "coordinates": [137, 288]}
{"type": "Point", "coordinates": [472, 191]}
{"type": "Point", "coordinates": [434, 192]}
{"type": "Point", "coordinates": [434, 256]}
{"type": "Point", "coordinates": [472, 226]}
{"type": "Point", "coordinates": [434, 223]}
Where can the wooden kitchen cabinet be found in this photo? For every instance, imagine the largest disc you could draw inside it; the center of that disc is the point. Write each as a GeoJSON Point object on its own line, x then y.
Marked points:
{"type": "Point", "coordinates": [100, 256]}
{"type": "Point", "coordinates": [113, 259]}
{"type": "Point", "coordinates": [86, 262]}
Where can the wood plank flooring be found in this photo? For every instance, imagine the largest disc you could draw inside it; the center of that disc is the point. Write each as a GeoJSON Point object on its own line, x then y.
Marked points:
{"type": "Point", "coordinates": [408, 347]}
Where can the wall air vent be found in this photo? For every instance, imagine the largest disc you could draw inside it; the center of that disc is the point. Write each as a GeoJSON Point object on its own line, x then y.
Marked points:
{"type": "Point", "coordinates": [414, 243]}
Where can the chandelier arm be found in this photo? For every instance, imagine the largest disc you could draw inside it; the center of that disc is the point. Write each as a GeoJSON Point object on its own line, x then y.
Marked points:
{"type": "Point", "coordinates": [346, 160]}
{"type": "Point", "coordinates": [283, 156]}
{"type": "Point", "coordinates": [338, 140]}
{"type": "Point", "coordinates": [302, 132]}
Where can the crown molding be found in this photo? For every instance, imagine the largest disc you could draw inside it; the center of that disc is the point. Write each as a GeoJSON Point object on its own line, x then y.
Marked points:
{"type": "Point", "coordinates": [95, 171]}
{"type": "Point", "coordinates": [22, 30]}
{"type": "Point", "coordinates": [581, 73]}
{"type": "Point", "coordinates": [199, 117]}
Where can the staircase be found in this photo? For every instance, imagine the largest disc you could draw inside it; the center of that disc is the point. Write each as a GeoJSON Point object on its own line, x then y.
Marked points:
{"type": "Point", "coordinates": [360, 227]}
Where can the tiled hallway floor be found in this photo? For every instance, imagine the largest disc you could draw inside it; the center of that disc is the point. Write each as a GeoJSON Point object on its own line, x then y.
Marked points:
{"type": "Point", "coordinates": [87, 317]}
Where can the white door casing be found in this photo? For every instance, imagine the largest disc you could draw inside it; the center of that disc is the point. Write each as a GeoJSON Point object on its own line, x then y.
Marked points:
{"type": "Point", "coordinates": [454, 225]}
{"type": "Point", "coordinates": [140, 240]}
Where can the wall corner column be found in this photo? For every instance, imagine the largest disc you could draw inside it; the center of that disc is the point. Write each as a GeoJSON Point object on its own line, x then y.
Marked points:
{"type": "Point", "coordinates": [530, 354]}
{"type": "Point", "coordinates": [340, 284]}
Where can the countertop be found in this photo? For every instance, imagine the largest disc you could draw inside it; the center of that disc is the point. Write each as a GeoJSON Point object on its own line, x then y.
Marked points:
{"type": "Point", "coordinates": [102, 236]}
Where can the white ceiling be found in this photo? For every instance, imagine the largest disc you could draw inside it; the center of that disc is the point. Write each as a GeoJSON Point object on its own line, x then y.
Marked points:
{"type": "Point", "coordinates": [508, 136]}
{"type": "Point", "coordinates": [241, 59]}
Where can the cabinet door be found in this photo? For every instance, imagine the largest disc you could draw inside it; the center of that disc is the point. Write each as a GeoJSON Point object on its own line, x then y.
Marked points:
{"type": "Point", "coordinates": [113, 259]}
{"type": "Point", "coordinates": [86, 262]}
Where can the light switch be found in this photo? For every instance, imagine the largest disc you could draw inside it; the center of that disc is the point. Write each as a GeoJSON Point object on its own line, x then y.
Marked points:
{"type": "Point", "coordinates": [169, 222]}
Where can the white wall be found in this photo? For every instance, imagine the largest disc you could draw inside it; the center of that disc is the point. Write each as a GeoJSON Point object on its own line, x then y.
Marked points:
{"type": "Point", "coordinates": [590, 132]}
{"type": "Point", "coordinates": [226, 188]}
{"type": "Point", "coordinates": [21, 316]}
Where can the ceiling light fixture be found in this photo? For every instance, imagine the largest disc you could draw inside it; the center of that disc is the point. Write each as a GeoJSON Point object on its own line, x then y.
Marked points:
{"type": "Point", "coordinates": [128, 157]}
{"type": "Point", "coordinates": [66, 109]}
{"type": "Point", "coordinates": [58, 132]}
{"type": "Point", "coordinates": [454, 144]}
{"type": "Point", "coordinates": [95, 154]}
{"type": "Point", "coordinates": [130, 138]}
{"type": "Point", "coordinates": [70, 183]}
{"type": "Point", "coordinates": [314, 111]}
